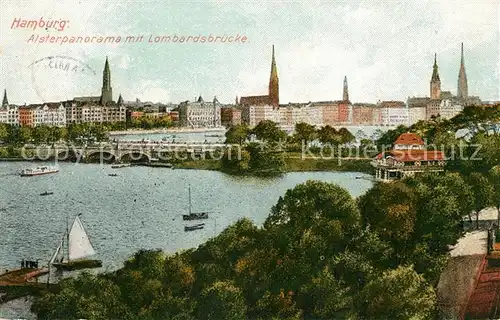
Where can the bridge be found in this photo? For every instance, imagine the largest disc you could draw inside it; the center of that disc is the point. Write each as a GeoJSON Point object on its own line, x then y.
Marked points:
{"type": "Point", "coordinates": [121, 152]}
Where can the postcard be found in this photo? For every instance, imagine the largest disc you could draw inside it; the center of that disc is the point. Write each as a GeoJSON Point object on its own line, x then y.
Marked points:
{"type": "Point", "coordinates": [249, 160]}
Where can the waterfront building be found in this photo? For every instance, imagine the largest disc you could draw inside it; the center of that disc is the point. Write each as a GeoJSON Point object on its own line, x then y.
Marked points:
{"type": "Point", "coordinates": [272, 98]}
{"type": "Point", "coordinates": [26, 116]}
{"type": "Point", "coordinates": [253, 114]}
{"type": "Point", "coordinates": [393, 113]}
{"type": "Point", "coordinates": [200, 114]}
{"type": "Point", "coordinates": [363, 114]}
{"type": "Point", "coordinates": [230, 116]}
{"type": "Point", "coordinates": [293, 113]}
{"type": "Point", "coordinates": [51, 114]}
{"type": "Point", "coordinates": [407, 158]}
{"type": "Point", "coordinates": [330, 111]}
{"type": "Point", "coordinates": [9, 114]}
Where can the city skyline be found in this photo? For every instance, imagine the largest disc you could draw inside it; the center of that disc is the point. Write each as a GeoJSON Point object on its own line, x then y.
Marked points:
{"type": "Point", "coordinates": [311, 69]}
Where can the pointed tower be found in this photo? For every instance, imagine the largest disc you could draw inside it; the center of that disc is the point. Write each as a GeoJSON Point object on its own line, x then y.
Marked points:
{"type": "Point", "coordinates": [120, 100]}
{"type": "Point", "coordinates": [107, 91]}
{"type": "Point", "coordinates": [462, 90]}
{"type": "Point", "coordinates": [236, 102]}
{"type": "Point", "coordinates": [435, 81]}
{"type": "Point", "coordinates": [274, 93]}
{"type": "Point", "coordinates": [5, 102]}
{"type": "Point", "coordinates": [345, 95]}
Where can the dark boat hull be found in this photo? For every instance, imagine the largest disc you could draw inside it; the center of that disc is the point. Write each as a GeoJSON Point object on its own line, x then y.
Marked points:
{"type": "Point", "coordinates": [194, 216]}
{"type": "Point", "coordinates": [192, 228]}
{"type": "Point", "coordinates": [78, 264]}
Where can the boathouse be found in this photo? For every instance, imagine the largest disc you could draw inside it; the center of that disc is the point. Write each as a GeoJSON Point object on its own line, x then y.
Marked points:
{"type": "Point", "coordinates": [408, 157]}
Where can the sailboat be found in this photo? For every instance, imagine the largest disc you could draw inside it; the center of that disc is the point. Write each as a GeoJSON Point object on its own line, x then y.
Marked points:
{"type": "Point", "coordinates": [78, 248]}
{"type": "Point", "coordinates": [194, 215]}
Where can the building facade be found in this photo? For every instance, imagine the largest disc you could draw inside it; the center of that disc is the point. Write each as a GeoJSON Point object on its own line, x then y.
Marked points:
{"type": "Point", "coordinates": [408, 157]}
{"type": "Point", "coordinates": [230, 116]}
{"type": "Point", "coordinates": [200, 114]}
{"type": "Point", "coordinates": [393, 113]}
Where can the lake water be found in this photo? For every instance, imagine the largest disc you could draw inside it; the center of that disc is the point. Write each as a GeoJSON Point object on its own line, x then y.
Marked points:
{"type": "Point", "coordinates": [210, 136]}
{"type": "Point", "coordinates": [138, 209]}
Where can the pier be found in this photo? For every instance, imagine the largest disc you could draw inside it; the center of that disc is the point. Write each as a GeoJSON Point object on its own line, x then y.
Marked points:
{"type": "Point", "coordinates": [19, 283]}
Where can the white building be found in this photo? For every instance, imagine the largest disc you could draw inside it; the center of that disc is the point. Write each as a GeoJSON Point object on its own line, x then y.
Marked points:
{"type": "Point", "coordinates": [89, 111]}
{"type": "Point", "coordinates": [10, 115]}
{"type": "Point", "coordinates": [253, 114]}
{"type": "Point", "coordinates": [200, 114]}
{"type": "Point", "coordinates": [415, 114]}
{"type": "Point", "coordinates": [393, 113]}
{"type": "Point", "coordinates": [54, 114]}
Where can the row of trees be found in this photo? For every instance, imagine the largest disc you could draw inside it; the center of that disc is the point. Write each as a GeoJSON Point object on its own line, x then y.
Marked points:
{"type": "Point", "coordinates": [319, 255]}
{"type": "Point", "coordinates": [150, 122]}
{"type": "Point", "coordinates": [76, 133]}
{"type": "Point", "coordinates": [269, 131]}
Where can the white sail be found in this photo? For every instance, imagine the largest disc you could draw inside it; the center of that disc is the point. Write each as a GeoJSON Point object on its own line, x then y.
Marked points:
{"type": "Point", "coordinates": [79, 243]}
{"type": "Point", "coordinates": [57, 252]}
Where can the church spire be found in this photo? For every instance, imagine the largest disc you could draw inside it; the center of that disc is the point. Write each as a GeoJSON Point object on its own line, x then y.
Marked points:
{"type": "Point", "coordinates": [435, 81]}
{"type": "Point", "coordinates": [345, 95]}
{"type": "Point", "coordinates": [5, 102]}
{"type": "Point", "coordinates": [462, 90]}
{"type": "Point", "coordinates": [120, 100]}
{"type": "Point", "coordinates": [274, 84]}
{"type": "Point", "coordinates": [107, 91]}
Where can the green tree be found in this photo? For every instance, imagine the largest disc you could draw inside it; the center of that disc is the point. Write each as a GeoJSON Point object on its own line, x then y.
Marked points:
{"type": "Point", "coordinates": [345, 136]}
{"type": "Point", "coordinates": [237, 134]}
{"type": "Point", "coordinates": [222, 301]}
{"type": "Point", "coordinates": [483, 193]}
{"type": "Point", "coordinates": [316, 208]}
{"type": "Point", "coordinates": [4, 132]}
{"type": "Point", "coordinates": [236, 160]}
{"type": "Point", "coordinates": [326, 297]}
{"type": "Point", "coordinates": [305, 132]}
{"type": "Point", "coordinates": [398, 294]}
{"type": "Point", "coordinates": [267, 130]}
{"type": "Point", "coordinates": [328, 135]}
{"type": "Point", "coordinates": [494, 176]}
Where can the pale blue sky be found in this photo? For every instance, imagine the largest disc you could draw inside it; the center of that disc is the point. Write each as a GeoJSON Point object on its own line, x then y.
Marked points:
{"type": "Point", "coordinates": [385, 48]}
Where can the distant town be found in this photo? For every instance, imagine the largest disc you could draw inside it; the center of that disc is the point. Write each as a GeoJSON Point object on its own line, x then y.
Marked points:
{"type": "Point", "coordinates": [250, 110]}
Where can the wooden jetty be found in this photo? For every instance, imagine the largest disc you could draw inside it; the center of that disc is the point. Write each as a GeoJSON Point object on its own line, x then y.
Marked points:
{"type": "Point", "coordinates": [19, 283]}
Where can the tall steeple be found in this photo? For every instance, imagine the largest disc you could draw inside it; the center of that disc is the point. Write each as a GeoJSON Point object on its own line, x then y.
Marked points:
{"type": "Point", "coordinates": [5, 102]}
{"type": "Point", "coordinates": [462, 90]}
{"type": "Point", "coordinates": [120, 100]}
{"type": "Point", "coordinates": [274, 94]}
{"type": "Point", "coordinates": [435, 81]}
{"type": "Point", "coordinates": [107, 91]}
{"type": "Point", "coordinates": [345, 96]}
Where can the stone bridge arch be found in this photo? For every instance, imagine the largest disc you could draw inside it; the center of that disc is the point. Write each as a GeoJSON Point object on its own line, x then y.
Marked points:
{"type": "Point", "coordinates": [134, 156]}
{"type": "Point", "coordinates": [69, 154]}
{"type": "Point", "coordinates": [101, 156]}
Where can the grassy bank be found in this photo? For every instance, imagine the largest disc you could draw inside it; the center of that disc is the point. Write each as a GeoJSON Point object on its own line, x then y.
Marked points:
{"type": "Point", "coordinates": [292, 165]}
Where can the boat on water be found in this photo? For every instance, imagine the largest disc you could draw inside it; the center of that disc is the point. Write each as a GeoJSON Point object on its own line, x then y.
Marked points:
{"type": "Point", "coordinates": [75, 249]}
{"type": "Point", "coordinates": [121, 165]}
{"type": "Point", "coordinates": [40, 170]}
{"type": "Point", "coordinates": [194, 227]}
{"type": "Point", "coordinates": [112, 174]}
{"type": "Point", "coordinates": [194, 215]}
{"type": "Point", "coordinates": [46, 193]}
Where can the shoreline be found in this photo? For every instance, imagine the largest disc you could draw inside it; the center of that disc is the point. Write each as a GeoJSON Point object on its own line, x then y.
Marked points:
{"type": "Point", "coordinates": [159, 131]}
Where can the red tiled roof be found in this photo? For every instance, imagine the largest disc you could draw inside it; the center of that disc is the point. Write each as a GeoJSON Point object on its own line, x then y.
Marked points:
{"type": "Point", "coordinates": [255, 100]}
{"type": "Point", "coordinates": [409, 139]}
{"type": "Point", "coordinates": [413, 155]}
